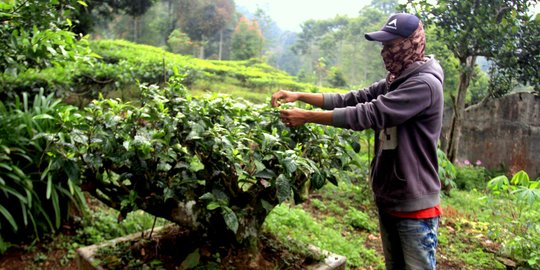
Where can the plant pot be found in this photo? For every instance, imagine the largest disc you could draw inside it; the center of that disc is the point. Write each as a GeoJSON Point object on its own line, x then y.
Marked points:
{"type": "Point", "coordinates": [86, 255]}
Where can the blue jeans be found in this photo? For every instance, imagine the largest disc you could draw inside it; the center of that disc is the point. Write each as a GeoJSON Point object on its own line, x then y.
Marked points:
{"type": "Point", "coordinates": [408, 243]}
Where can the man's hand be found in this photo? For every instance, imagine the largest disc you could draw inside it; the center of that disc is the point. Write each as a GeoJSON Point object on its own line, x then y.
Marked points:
{"type": "Point", "coordinates": [283, 96]}
{"type": "Point", "coordinates": [294, 117]}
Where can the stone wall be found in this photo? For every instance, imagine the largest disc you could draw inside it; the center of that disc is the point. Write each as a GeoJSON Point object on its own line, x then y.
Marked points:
{"type": "Point", "coordinates": [504, 134]}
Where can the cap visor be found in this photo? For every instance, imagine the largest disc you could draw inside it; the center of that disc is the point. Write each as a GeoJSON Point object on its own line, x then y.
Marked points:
{"type": "Point", "coordinates": [380, 36]}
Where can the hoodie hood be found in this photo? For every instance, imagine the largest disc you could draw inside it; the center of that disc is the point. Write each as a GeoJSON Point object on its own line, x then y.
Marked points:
{"type": "Point", "coordinates": [428, 65]}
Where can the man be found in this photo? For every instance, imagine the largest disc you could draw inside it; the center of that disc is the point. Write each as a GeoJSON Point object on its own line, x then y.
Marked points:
{"type": "Point", "coordinates": [405, 110]}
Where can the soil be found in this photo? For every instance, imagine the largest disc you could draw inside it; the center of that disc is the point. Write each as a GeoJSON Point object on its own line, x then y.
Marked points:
{"type": "Point", "coordinates": [168, 250]}
{"type": "Point", "coordinates": [176, 249]}
{"type": "Point", "coordinates": [38, 257]}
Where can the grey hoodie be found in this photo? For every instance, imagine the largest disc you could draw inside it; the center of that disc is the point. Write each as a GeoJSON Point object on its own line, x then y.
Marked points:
{"type": "Point", "coordinates": [407, 116]}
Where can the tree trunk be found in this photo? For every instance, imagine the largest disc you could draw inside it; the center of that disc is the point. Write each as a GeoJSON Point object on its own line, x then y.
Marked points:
{"type": "Point", "coordinates": [201, 51]}
{"type": "Point", "coordinates": [220, 44]}
{"type": "Point", "coordinates": [191, 213]}
{"type": "Point", "coordinates": [170, 19]}
{"type": "Point", "coordinates": [201, 47]}
{"type": "Point", "coordinates": [454, 132]}
{"type": "Point", "coordinates": [134, 26]}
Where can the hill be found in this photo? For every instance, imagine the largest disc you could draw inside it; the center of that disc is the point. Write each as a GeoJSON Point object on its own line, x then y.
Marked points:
{"type": "Point", "coordinates": [117, 66]}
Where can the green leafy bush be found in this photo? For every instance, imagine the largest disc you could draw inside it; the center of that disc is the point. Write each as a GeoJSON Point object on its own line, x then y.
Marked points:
{"type": "Point", "coordinates": [447, 171]}
{"type": "Point", "coordinates": [519, 230]}
{"type": "Point", "coordinates": [471, 176]}
{"type": "Point", "coordinates": [217, 165]}
{"type": "Point", "coordinates": [37, 188]}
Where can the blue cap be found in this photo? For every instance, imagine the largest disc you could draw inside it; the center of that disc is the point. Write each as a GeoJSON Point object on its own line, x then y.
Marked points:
{"type": "Point", "coordinates": [400, 25]}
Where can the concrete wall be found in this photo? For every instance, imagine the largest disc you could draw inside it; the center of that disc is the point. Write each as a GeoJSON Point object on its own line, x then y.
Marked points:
{"type": "Point", "coordinates": [504, 134]}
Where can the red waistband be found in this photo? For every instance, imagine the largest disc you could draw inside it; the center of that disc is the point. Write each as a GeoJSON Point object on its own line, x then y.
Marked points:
{"type": "Point", "coordinates": [424, 213]}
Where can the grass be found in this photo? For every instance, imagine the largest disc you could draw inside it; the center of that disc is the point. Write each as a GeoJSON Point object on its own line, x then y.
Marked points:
{"type": "Point", "coordinates": [295, 223]}
{"type": "Point", "coordinates": [330, 220]}
{"type": "Point", "coordinates": [342, 220]}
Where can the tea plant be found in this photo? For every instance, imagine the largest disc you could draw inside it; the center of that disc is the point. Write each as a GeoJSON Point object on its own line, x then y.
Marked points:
{"type": "Point", "coordinates": [216, 165]}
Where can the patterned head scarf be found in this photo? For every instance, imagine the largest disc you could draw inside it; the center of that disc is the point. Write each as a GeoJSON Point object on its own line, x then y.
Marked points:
{"type": "Point", "coordinates": [398, 56]}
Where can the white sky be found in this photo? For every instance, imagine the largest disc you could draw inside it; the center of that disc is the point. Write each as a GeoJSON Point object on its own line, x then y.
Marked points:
{"type": "Point", "coordinates": [289, 14]}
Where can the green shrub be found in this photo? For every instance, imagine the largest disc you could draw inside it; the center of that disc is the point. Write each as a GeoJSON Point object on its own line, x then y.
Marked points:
{"type": "Point", "coordinates": [37, 188]}
{"type": "Point", "coordinates": [470, 176]}
{"type": "Point", "coordinates": [35, 34]}
{"type": "Point", "coordinates": [235, 160]}
{"type": "Point", "coordinates": [447, 171]}
{"type": "Point", "coordinates": [518, 229]}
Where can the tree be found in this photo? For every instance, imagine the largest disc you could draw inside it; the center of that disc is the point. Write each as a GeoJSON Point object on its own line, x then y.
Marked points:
{"type": "Point", "coordinates": [207, 19]}
{"type": "Point", "coordinates": [247, 40]}
{"type": "Point", "coordinates": [35, 34]}
{"type": "Point", "coordinates": [179, 42]}
{"type": "Point", "coordinates": [517, 62]}
{"type": "Point", "coordinates": [336, 78]}
{"type": "Point", "coordinates": [99, 11]}
{"type": "Point", "coordinates": [362, 64]}
{"type": "Point", "coordinates": [321, 39]}
{"type": "Point", "coordinates": [283, 57]}
{"type": "Point", "coordinates": [471, 29]}
{"type": "Point", "coordinates": [321, 70]}
{"type": "Point", "coordinates": [386, 6]}
{"type": "Point", "coordinates": [225, 10]}
{"type": "Point", "coordinates": [135, 9]}
{"type": "Point", "coordinates": [268, 29]}
{"type": "Point", "coordinates": [341, 42]}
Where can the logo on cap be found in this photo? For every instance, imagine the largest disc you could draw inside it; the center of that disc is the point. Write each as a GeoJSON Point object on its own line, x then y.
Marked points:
{"type": "Point", "coordinates": [392, 24]}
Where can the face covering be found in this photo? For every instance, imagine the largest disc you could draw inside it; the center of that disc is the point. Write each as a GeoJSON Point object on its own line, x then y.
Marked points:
{"type": "Point", "coordinates": [398, 56]}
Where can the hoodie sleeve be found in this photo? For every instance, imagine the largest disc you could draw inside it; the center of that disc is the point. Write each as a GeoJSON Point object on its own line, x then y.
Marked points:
{"type": "Point", "coordinates": [332, 101]}
{"type": "Point", "coordinates": [388, 110]}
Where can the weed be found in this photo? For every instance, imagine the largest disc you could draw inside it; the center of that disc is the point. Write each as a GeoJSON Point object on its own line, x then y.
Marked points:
{"type": "Point", "coordinates": [40, 257]}
{"type": "Point", "coordinates": [471, 177]}
{"type": "Point", "coordinates": [360, 220]}
{"type": "Point", "coordinates": [336, 209]}
{"type": "Point", "coordinates": [318, 204]}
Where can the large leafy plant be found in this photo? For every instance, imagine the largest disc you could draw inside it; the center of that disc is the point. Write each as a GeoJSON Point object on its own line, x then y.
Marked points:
{"type": "Point", "coordinates": [36, 187]}
{"type": "Point", "coordinates": [216, 165]}
{"type": "Point", "coordinates": [519, 230]}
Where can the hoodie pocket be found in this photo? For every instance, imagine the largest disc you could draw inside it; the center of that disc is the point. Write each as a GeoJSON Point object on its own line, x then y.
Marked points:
{"type": "Point", "coordinates": [397, 171]}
